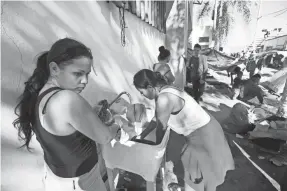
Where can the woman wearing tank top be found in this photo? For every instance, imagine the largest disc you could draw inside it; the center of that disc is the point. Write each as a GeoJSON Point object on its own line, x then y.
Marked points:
{"type": "Point", "coordinates": [162, 66]}
{"type": "Point", "coordinates": [207, 157]}
{"type": "Point", "coordinates": [62, 120]}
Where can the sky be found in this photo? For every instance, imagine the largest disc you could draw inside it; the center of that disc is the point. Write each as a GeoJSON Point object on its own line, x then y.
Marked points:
{"type": "Point", "coordinates": [242, 34]}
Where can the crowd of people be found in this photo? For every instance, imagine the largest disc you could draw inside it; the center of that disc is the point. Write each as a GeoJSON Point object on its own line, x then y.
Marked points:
{"type": "Point", "coordinates": [68, 129]}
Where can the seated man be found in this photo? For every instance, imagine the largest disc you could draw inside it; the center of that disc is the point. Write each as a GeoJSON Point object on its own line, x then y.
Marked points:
{"type": "Point", "coordinates": [250, 89]}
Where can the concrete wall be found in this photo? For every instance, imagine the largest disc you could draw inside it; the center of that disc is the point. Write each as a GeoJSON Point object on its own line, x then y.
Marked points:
{"type": "Point", "coordinates": [31, 27]}
{"type": "Point", "coordinates": [203, 31]}
{"type": "Point", "coordinates": [278, 42]}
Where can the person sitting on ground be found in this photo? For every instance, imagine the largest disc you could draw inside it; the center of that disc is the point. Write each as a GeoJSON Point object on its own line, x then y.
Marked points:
{"type": "Point", "coordinates": [196, 72]}
{"type": "Point", "coordinates": [237, 85]}
{"type": "Point", "coordinates": [251, 89]}
{"type": "Point", "coordinates": [233, 70]}
{"type": "Point", "coordinates": [162, 66]}
{"type": "Point", "coordinates": [276, 60]}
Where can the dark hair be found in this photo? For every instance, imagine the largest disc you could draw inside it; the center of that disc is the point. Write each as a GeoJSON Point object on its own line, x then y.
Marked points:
{"type": "Point", "coordinates": [146, 77]}
{"type": "Point", "coordinates": [256, 76]}
{"type": "Point", "coordinates": [197, 46]}
{"type": "Point", "coordinates": [61, 51]}
{"type": "Point", "coordinates": [163, 53]}
{"type": "Point", "coordinates": [237, 69]}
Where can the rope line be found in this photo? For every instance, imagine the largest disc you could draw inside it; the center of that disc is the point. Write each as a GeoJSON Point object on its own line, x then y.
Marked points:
{"type": "Point", "coordinates": [123, 25]}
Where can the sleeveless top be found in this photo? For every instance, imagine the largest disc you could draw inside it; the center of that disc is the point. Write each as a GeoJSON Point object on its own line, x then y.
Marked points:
{"type": "Point", "coordinates": [67, 156]}
{"type": "Point", "coordinates": [190, 117]}
{"type": "Point", "coordinates": [158, 67]}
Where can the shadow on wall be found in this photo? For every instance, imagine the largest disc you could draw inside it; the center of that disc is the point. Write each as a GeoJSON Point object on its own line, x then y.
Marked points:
{"type": "Point", "coordinates": [29, 28]}
{"type": "Point", "coordinates": [175, 39]}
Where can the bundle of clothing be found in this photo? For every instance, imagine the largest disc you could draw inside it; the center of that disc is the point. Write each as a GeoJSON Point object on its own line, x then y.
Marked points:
{"type": "Point", "coordinates": [132, 118]}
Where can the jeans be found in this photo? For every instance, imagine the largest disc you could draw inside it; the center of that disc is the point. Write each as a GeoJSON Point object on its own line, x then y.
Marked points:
{"type": "Point", "coordinates": [91, 181]}
{"type": "Point", "coordinates": [198, 89]}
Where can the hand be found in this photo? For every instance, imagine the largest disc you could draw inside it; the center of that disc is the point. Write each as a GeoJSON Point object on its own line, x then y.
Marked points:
{"type": "Point", "coordinates": [116, 131]}
{"type": "Point", "coordinates": [104, 113]}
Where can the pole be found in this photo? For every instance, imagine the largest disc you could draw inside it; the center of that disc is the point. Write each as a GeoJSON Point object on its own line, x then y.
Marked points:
{"type": "Point", "coordinates": [186, 27]}
{"type": "Point", "coordinates": [259, 11]}
{"type": "Point", "coordinates": [191, 21]}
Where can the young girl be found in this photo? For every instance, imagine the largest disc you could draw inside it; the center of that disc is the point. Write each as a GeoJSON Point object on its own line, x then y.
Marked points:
{"type": "Point", "coordinates": [64, 123]}
{"type": "Point", "coordinates": [162, 66]}
{"type": "Point", "coordinates": [208, 156]}
{"type": "Point", "coordinates": [237, 84]}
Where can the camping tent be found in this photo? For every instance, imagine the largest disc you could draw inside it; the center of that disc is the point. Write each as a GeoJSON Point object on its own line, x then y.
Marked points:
{"type": "Point", "coordinates": [277, 82]}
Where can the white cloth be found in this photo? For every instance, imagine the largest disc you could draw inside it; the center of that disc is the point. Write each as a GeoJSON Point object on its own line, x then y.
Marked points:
{"type": "Point", "coordinates": [190, 118]}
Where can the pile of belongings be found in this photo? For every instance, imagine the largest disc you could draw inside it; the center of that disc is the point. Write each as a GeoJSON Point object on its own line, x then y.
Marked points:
{"type": "Point", "coordinates": [239, 121]}
{"type": "Point", "coordinates": [271, 135]}
{"type": "Point", "coordinates": [269, 132]}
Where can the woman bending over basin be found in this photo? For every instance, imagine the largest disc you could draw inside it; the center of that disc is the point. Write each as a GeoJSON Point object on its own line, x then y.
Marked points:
{"type": "Point", "coordinates": [62, 120]}
{"type": "Point", "coordinates": [207, 157]}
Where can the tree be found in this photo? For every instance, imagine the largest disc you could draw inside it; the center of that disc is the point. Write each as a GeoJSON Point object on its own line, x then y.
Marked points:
{"type": "Point", "coordinates": [225, 15]}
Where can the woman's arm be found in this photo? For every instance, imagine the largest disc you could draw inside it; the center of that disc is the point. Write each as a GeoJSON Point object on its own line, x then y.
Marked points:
{"type": "Point", "coordinates": [80, 115]}
{"type": "Point", "coordinates": [164, 108]}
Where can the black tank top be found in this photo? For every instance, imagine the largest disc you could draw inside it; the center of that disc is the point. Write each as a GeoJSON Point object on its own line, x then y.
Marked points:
{"type": "Point", "coordinates": [67, 156]}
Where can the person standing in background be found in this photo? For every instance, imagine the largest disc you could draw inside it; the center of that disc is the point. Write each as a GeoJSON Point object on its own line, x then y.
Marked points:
{"type": "Point", "coordinates": [251, 66]}
{"type": "Point", "coordinates": [196, 72]}
{"type": "Point", "coordinates": [260, 63]}
{"type": "Point", "coordinates": [162, 66]}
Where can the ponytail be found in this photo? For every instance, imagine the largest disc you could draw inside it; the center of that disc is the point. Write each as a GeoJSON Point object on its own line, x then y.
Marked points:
{"type": "Point", "coordinates": [26, 106]}
{"type": "Point", "coordinates": [145, 78]}
{"type": "Point", "coordinates": [161, 80]}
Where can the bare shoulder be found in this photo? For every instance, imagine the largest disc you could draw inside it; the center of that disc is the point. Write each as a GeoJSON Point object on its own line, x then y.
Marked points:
{"type": "Point", "coordinates": [163, 99]}
{"type": "Point", "coordinates": [167, 66]}
{"type": "Point", "coordinates": [68, 96]}
{"type": "Point", "coordinates": [163, 67]}
{"type": "Point", "coordinates": [167, 99]}
{"type": "Point", "coordinates": [66, 99]}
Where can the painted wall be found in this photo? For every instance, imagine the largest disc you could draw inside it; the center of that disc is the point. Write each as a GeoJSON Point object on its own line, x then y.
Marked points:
{"type": "Point", "coordinates": [203, 31]}
{"type": "Point", "coordinates": [29, 28]}
{"type": "Point", "coordinates": [175, 40]}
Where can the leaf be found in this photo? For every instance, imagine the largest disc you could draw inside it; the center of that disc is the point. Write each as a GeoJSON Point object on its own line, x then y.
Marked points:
{"type": "Point", "coordinates": [205, 11]}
